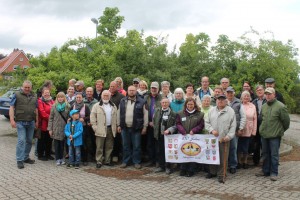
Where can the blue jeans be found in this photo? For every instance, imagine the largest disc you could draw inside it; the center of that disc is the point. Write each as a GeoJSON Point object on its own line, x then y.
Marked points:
{"type": "Point", "coordinates": [77, 155]}
{"type": "Point", "coordinates": [270, 151]}
{"type": "Point", "coordinates": [25, 135]}
{"type": "Point", "coordinates": [131, 137]}
{"type": "Point", "coordinates": [232, 159]}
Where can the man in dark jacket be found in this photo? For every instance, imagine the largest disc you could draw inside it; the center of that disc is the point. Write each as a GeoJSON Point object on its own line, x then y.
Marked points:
{"type": "Point", "coordinates": [275, 121]}
{"type": "Point", "coordinates": [116, 98]}
{"type": "Point", "coordinates": [152, 102]}
{"type": "Point", "coordinates": [235, 104]}
{"type": "Point", "coordinates": [132, 121]}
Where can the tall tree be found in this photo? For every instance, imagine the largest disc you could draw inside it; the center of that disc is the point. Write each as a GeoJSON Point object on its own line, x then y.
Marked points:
{"type": "Point", "coordinates": [110, 22]}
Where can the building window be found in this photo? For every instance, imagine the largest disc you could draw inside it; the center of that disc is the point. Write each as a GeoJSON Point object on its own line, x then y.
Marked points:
{"type": "Point", "coordinates": [16, 67]}
{"type": "Point", "coordinates": [21, 59]}
{"type": "Point", "coordinates": [25, 67]}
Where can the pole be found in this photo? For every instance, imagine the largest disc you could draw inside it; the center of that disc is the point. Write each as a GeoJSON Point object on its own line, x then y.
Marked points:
{"type": "Point", "coordinates": [224, 161]}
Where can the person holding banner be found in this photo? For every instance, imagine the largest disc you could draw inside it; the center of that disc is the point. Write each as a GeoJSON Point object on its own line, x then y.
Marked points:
{"type": "Point", "coordinates": [189, 121]}
{"type": "Point", "coordinates": [164, 124]}
{"type": "Point", "coordinates": [221, 123]}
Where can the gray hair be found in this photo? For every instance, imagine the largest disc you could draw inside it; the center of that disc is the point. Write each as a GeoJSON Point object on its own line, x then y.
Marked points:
{"type": "Point", "coordinates": [259, 86]}
{"type": "Point", "coordinates": [222, 79]}
{"type": "Point", "coordinates": [178, 90]}
{"type": "Point", "coordinates": [27, 82]}
{"type": "Point", "coordinates": [165, 83]}
{"type": "Point", "coordinates": [106, 91]}
{"type": "Point", "coordinates": [206, 97]}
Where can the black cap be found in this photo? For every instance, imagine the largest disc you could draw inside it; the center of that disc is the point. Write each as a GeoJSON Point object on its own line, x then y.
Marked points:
{"type": "Point", "coordinates": [270, 80]}
{"type": "Point", "coordinates": [221, 96]}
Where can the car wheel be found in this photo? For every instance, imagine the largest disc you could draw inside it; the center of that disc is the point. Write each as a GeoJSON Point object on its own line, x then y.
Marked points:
{"type": "Point", "coordinates": [7, 116]}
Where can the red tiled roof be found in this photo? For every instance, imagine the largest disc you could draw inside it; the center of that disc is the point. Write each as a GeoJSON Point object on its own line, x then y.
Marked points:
{"type": "Point", "coordinates": [5, 62]}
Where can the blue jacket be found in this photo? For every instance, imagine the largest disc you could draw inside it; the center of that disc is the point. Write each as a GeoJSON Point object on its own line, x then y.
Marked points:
{"type": "Point", "coordinates": [77, 136]}
{"type": "Point", "coordinates": [177, 105]}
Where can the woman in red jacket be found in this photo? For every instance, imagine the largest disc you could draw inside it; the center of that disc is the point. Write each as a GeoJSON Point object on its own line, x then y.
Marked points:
{"type": "Point", "coordinates": [45, 103]}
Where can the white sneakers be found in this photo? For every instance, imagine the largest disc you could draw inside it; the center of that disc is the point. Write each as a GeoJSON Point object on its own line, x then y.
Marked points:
{"type": "Point", "coordinates": [60, 162]}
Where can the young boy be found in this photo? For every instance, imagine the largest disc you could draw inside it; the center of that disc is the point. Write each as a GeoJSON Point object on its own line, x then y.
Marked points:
{"type": "Point", "coordinates": [73, 131]}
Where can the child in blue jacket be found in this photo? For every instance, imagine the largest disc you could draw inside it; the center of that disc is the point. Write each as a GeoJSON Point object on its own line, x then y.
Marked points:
{"type": "Point", "coordinates": [73, 131]}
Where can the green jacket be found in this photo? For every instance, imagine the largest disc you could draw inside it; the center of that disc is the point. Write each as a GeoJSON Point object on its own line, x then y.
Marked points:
{"type": "Point", "coordinates": [275, 119]}
{"type": "Point", "coordinates": [25, 106]}
{"type": "Point", "coordinates": [157, 120]}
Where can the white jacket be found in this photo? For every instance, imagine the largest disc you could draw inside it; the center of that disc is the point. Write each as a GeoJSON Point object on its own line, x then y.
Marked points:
{"type": "Point", "coordinates": [222, 121]}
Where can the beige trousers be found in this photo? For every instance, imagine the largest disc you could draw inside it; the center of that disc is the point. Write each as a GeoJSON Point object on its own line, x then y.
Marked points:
{"type": "Point", "coordinates": [104, 144]}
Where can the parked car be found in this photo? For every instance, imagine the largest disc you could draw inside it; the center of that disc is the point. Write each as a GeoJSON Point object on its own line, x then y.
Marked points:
{"type": "Point", "coordinates": [5, 102]}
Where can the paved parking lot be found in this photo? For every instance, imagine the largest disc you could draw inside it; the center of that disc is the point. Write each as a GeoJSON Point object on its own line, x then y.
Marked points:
{"type": "Point", "coordinates": [44, 180]}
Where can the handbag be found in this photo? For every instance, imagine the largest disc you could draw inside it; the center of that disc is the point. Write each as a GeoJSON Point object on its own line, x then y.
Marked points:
{"type": "Point", "coordinates": [37, 133]}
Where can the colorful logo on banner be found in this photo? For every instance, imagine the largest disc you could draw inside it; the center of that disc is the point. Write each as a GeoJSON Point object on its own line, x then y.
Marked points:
{"type": "Point", "coordinates": [191, 149]}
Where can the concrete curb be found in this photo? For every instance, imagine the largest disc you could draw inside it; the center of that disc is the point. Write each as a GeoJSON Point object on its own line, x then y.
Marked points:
{"type": "Point", "coordinates": [285, 149]}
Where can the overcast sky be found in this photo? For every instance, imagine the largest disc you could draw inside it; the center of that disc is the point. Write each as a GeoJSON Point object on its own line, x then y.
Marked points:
{"type": "Point", "coordinates": [38, 25]}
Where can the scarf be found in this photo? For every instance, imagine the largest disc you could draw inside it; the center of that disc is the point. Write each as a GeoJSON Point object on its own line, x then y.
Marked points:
{"type": "Point", "coordinates": [78, 106]}
{"type": "Point", "coordinates": [46, 100]}
{"type": "Point", "coordinates": [60, 107]}
{"type": "Point", "coordinates": [163, 122]}
{"type": "Point", "coordinates": [142, 92]}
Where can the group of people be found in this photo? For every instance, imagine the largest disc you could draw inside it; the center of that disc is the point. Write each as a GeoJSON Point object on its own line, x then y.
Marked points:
{"type": "Point", "coordinates": [100, 125]}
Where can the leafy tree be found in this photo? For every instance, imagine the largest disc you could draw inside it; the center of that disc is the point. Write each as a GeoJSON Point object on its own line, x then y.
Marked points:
{"type": "Point", "coordinates": [110, 23]}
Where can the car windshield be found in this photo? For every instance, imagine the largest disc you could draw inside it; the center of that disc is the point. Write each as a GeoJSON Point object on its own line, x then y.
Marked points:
{"type": "Point", "coordinates": [8, 94]}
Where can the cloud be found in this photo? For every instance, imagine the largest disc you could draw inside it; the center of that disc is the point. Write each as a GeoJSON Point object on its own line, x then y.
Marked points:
{"type": "Point", "coordinates": [38, 25]}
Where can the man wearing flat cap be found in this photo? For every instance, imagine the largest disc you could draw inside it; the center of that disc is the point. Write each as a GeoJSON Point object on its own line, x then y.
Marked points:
{"type": "Point", "coordinates": [270, 82]}
{"type": "Point", "coordinates": [221, 122]}
{"type": "Point", "coordinates": [275, 121]}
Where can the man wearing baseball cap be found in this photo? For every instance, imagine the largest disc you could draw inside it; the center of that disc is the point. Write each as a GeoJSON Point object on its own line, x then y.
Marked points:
{"type": "Point", "coordinates": [275, 121]}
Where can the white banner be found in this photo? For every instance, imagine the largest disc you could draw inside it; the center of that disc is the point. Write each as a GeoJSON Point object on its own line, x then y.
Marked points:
{"type": "Point", "coordinates": [192, 148]}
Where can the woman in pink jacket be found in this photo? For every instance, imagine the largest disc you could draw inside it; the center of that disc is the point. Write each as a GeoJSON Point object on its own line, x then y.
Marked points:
{"type": "Point", "coordinates": [249, 130]}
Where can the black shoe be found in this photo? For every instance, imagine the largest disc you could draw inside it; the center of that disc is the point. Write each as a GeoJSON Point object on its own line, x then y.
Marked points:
{"type": "Point", "coordinates": [98, 165]}
{"type": "Point", "coordinates": [245, 166]}
{"type": "Point", "coordinates": [209, 176]}
{"type": "Point", "coordinates": [43, 158]}
{"type": "Point", "coordinates": [50, 158]}
{"type": "Point", "coordinates": [29, 161]}
{"type": "Point", "coordinates": [232, 170]}
{"type": "Point", "coordinates": [69, 165]}
{"type": "Point", "coordinates": [182, 173]}
{"type": "Point", "coordinates": [109, 164]}
{"type": "Point", "coordinates": [239, 166]}
{"type": "Point", "coordinates": [221, 179]}
{"type": "Point", "coordinates": [149, 164]}
{"type": "Point", "coordinates": [20, 164]}
{"type": "Point", "coordinates": [189, 174]}
{"type": "Point", "coordinates": [76, 166]}
{"type": "Point", "coordinates": [85, 163]}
